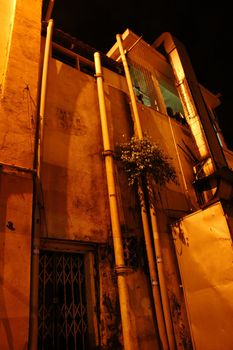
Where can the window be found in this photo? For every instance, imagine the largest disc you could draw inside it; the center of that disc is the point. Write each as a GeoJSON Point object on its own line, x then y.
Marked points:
{"type": "Point", "coordinates": [172, 100]}
{"type": "Point", "coordinates": [73, 60]}
{"type": "Point", "coordinates": [143, 85]}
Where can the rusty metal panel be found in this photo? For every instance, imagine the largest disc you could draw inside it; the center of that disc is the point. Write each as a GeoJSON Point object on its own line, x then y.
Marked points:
{"type": "Point", "coordinates": [204, 251]}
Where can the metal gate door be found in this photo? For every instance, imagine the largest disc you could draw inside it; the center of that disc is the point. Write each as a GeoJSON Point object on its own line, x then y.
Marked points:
{"type": "Point", "coordinates": [62, 302]}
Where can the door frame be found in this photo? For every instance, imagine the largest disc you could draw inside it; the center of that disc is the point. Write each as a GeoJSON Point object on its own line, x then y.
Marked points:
{"type": "Point", "coordinates": [89, 251]}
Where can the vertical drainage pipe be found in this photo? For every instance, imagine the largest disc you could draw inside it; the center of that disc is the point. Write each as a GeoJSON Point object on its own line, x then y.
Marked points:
{"type": "Point", "coordinates": [153, 273]}
{"type": "Point", "coordinates": [43, 93]}
{"type": "Point", "coordinates": [160, 310]}
{"type": "Point", "coordinates": [129, 336]}
{"type": "Point", "coordinates": [138, 128]}
{"type": "Point", "coordinates": [49, 10]}
{"type": "Point", "coordinates": [162, 281]}
{"type": "Point", "coordinates": [33, 337]}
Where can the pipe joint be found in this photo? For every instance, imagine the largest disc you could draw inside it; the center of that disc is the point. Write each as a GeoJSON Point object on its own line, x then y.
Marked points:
{"type": "Point", "coordinates": [154, 282]}
{"type": "Point", "coordinates": [107, 152]}
{"type": "Point", "coordinates": [179, 83]}
{"type": "Point", "coordinates": [122, 270]}
{"type": "Point", "coordinates": [98, 75]}
{"type": "Point", "coordinates": [159, 259]}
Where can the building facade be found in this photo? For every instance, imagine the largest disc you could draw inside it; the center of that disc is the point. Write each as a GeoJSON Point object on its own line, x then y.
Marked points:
{"type": "Point", "coordinates": [87, 261]}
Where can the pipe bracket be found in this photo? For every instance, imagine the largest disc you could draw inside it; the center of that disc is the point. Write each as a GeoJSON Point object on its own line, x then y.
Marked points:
{"type": "Point", "coordinates": [154, 282]}
{"type": "Point", "coordinates": [107, 152]}
{"type": "Point", "coordinates": [98, 75]}
{"type": "Point", "coordinates": [122, 270]}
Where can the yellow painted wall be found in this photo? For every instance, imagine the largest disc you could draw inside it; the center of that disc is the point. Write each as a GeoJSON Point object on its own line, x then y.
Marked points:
{"type": "Point", "coordinates": [7, 13]}
{"type": "Point", "coordinates": [73, 176]}
{"type": "Point", "coordinates": [73, 173]}
{"type": "Point", "coordinates": [15, 259]}
{"type": "Point", "coordinates": [157, 126]}
{"type": "Point", "coordinates": [19, 96]}
{"type": "Point", "coordinates": [73, 169]}
{"type": "Point", "coordinates": [17, 128]}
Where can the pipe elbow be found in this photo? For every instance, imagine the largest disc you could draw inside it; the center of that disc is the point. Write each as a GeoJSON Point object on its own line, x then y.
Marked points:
{"type": "Point", "coordinates": [165, 39]}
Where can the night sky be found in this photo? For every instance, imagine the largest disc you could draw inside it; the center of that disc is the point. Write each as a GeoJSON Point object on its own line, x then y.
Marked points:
{"type": "Point", "coordinates": [204, 27]}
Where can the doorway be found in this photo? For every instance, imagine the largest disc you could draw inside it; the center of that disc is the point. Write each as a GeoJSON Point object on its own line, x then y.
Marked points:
{"type": "Point", "coordinates": [64, 302]}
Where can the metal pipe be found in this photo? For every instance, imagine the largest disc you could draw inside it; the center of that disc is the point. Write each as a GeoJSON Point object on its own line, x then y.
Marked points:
{"type": "Point", "coordinates": [33, 336]}
{"type": "Point", "coordinates": [186, 191]}
{"type": "Point", "coordinates": [138, 129]}
{"type": "Point", "coordinates": [49, 10]}
{"type": "Point", "coordinates": [129, 336]}
{"type": "Point", "coordinates": [152, 271]}
{"type": "Point", "coordinates": [47, 53]}
{"type": "Point", "coordinates": [162, 282]}
{"type": "Point", "coordinates": [157, 302]}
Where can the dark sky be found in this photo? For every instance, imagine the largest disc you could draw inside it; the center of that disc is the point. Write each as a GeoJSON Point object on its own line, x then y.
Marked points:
{"type": "Point", "coordinates": [204, 27]}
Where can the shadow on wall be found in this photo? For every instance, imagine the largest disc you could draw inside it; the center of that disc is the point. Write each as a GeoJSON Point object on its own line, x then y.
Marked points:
{"type": "Point", "coordinates": [72, 170]}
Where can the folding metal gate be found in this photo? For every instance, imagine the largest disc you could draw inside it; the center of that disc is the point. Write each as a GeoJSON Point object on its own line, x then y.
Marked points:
{"type": "Point", "coordinates": [62, 302]}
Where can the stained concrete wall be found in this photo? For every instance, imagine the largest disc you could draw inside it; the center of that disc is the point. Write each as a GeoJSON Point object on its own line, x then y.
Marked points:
{"type": "Point", "coordinates": [73, 146]}
{"type": "Point", "coordinates": [75, 190]}
{"type": "Point", "coordinates": [177, 142]}
{"type": "Point", "coordinates": [7, 14]}
{"type": "Point", "coordinates": [15, 256]}
{"type": "Point", "coordinates": [19, 96]}
{"type": "Point", "coordinates": [20, 66]}
{"type": "Point", "coordinates": [73, 174]}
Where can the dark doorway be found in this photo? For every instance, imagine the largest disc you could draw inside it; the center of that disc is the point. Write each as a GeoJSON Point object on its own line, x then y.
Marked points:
{"type": "Point", "coordinates": [62, 302]}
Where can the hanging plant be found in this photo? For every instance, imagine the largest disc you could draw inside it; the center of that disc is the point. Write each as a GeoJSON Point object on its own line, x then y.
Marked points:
{"type": "Point", "coordinates": [141, 158]}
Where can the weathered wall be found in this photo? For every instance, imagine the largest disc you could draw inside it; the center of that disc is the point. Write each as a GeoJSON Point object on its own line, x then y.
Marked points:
{"type": "Point", "coordinates": [141, 305]}
{"type": "Point", "coordinates": [19, 96]}
{"type": "Point", "coordinates": [6, 19]}
{"type": "Point", "coordinates": [75, 190]}
{"type": "Point", "coordinates": [21, 51]}
{"type": "Point", "coordinates": [15, 259]}
{"type": "Point", "coordinates": [174, 202]}
{"type": "Point", "coordinates": [74, 186]}
{"type": "Point", "coordinates": [73, 174]}
{"type": "Point", "coordinates": [157, 126]}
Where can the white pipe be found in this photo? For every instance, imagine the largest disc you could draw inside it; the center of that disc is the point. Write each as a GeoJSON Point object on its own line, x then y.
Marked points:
{"type": "Point", "coordinates": [49, 10]}
{"type": "Point", "coordinates": [138, 129]}
{"type": "Point", "coordinates": [47, 53]}
{"type": "Point", "coordinates": [33, 337]}
{"type": "Point", "coordinates": [153, 273]}
{"type": "Point", "coordinates": [129, 334]}
{"type": "Point", "coordinates": [166, 322]}
{"type": "Point", "coordinates": [186, 191]}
